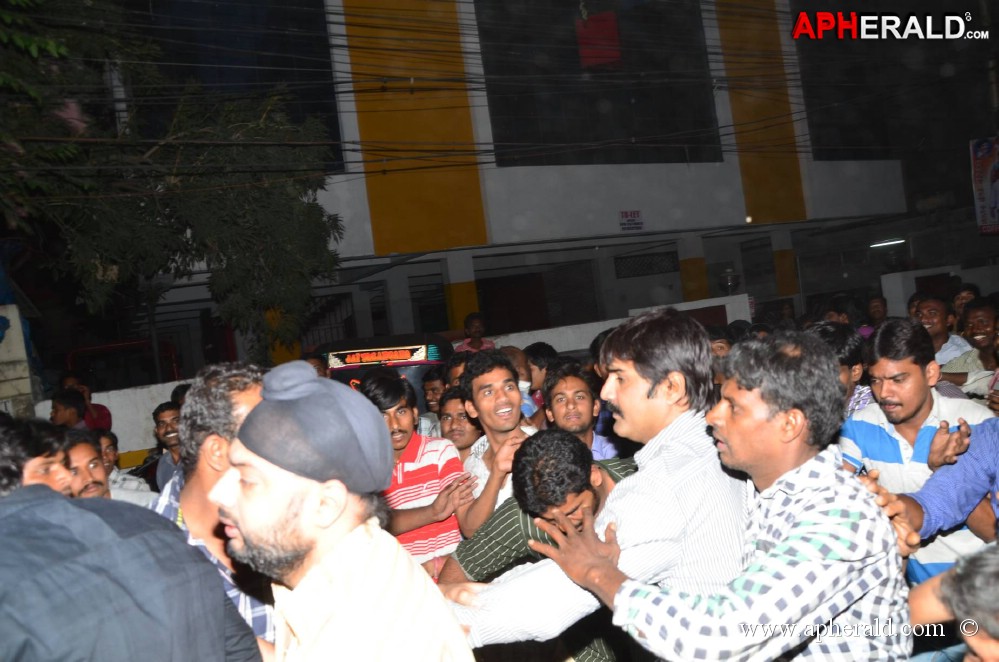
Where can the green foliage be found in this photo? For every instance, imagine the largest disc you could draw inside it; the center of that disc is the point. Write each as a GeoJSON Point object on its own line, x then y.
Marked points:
{"type": "Point", "coordinates": [196, 201]}
{"type": "Point", "coordinates": [220, 191]}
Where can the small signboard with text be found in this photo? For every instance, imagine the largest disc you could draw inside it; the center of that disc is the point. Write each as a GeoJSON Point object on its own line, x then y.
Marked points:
{"type": "Point", "coordinates": [631, 221]}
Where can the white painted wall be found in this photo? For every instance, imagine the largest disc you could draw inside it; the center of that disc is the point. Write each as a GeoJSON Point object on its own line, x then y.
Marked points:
{"type": "Point", "coordinates": [131, 413]}
{"type": "Point", "coordinates": [843, 189]}
{"type": "Point", "coordinates": [553, 202]}
{"type": "Point", "coordinates": [579, 336]}
{"type": "Point", "coordinates": [901, 285]}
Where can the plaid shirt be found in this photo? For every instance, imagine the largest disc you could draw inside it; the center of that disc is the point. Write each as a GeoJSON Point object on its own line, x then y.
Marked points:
{"type": "Point", "coordinates": [258, 615]}
{"type": "Point", "coordinates": [819, 554]}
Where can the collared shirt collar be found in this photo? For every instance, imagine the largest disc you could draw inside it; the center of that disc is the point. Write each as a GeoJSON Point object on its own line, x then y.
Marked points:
{"type": "Point", "coordinates": [817, 472]}
{"type": "Point", "coordinates": [686, 431]}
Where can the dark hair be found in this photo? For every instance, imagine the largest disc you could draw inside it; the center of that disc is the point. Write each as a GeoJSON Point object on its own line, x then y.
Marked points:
{"type": "Point", "coordinates": [456, 393]}
{"type": "Point", "coordinates": [75, 437]}
{"type": "Point", "coordinates": [21, 441]}
{"type": "Point", "coordinates": [387, 392]}
{"type": "Point", "coordinates": [878, 297]}
{"type": "Point", "coordinates": [169, 405]}
{"type": "Point", "coordinates": [70, 374]}
{"type": "Point", "coordinates": [899, 339]}
{"type": "Point", "coordinates": [471, 317]}
{"type": "Point", "coordinates": [482, 362]}
{"type": "Point", "coordinates": [840, 304]}
{"type": "Point", "coordinates": [597, 343]}
{"type": "Point", "coordinates": [916, 298]}
{"type": "Point", "coordinates": [980, 303]}
{"type": "Point", "coordinates": [547, 468]}
{"type": "Point", "coordinates": [947, 305]}
{"type": "Point", "coordinates": [845, 342]}
{"type": "Point", "coordinates": [107, 434]}
{"type": "Point", "coordinates": [737, 329]}
{"type": "Point", "coordinates": [792, 370]}
{"type": "Point", "coordinates": [457, 359]}
{"type": "Point", "coordinates": [434, 374]}
{"type": "Point", "coordinates": [562, 370]}
{"type": "Point", "coordinates": [971, 591]}
{"type": "Point", "coordinates": [208, 407]}
{"type": "Point", "coordinates": [373, 504]}
{"type": "Point", "coordinates": [541, 354]}
{"type": "Point", "coordinates": [663, 341]}
{"type": "Point", "coordinates": [72, 399]}
{"type": "Point", "coordinates": [178, 392]}
{"type": "Point", "coordinates": [716, 332]}
{"type": "Point", "coordinates": [759, 327]}
{"type": "Point", "coordinates": [968, 287]}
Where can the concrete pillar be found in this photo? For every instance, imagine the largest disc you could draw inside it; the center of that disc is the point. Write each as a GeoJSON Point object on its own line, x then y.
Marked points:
{"type": "Point", "coordinates": [362, 312]}
{"type": "Point", "coordinates": [398, 302]}
{"type": "Point", "coordinates": [693, 268]}
{"type": "Point", "coordinates": [785, 263]}
{"type": "Point", "coordinates": [459, 287]}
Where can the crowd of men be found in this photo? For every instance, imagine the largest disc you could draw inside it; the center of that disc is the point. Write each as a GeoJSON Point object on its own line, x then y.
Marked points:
{"type": "Point", "coordinates": [686, 494]}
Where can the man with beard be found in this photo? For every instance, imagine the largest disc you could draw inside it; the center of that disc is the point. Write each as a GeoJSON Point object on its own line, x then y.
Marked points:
{"type": "Point", "coordinates": [219, 399]}
{"type": "Point", "coordinates": [166, 419]}
{"type": "Point", "coordinates": [897, 433]}
{"type": "Point", "coordinates": [301, 504]}
{"type": "Point", "coordinates": [570, 404]}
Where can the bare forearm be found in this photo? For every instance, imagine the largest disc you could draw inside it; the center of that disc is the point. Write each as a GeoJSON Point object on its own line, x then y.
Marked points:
{"type": "Point", "coordinates": [405, 520]}
{"type": "Point", "coordinates": [452, 572]}
{"type": "Point", "coordinates": [476, 514]}
{"type": "Point", "coordinates": [604, 583]}
{"type": "Point", "coordinates": [913, 511]}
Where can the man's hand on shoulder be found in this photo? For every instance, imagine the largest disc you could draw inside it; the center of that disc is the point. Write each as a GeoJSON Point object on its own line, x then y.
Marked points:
{"type": "Point", "coordinates": [895, 508]}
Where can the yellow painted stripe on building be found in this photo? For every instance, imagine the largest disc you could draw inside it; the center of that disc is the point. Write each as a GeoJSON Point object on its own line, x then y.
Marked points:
{"type": "Point", "coordinates": [415, 124]}
{"type": "Point", "coordinates": [786, 272]}
{"type": "Point", "coordinates": [761, 111]}
{"type": "Point", "coordinates": [694, 278]}
{"type": "Point", "coordinates": [462, 299]}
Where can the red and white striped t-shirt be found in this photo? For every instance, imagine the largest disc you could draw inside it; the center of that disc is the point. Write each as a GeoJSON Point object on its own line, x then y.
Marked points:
{"type": "Point", "coordinates": [426, 467]}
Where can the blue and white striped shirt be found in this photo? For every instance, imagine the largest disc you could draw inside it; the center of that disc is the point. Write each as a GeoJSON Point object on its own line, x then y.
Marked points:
{"type": "Point", "coordinates": [867, 439]}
